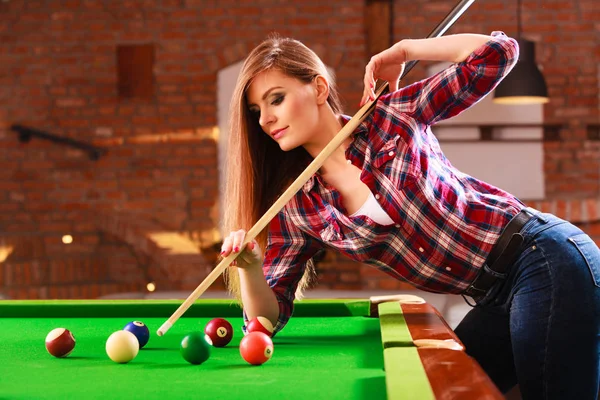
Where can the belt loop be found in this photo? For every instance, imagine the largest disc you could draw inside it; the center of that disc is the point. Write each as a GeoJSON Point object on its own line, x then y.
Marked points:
{"type": "Point", "coordinates": [532, 211]}
{"type": "Point", "coordinates": [495, 274]}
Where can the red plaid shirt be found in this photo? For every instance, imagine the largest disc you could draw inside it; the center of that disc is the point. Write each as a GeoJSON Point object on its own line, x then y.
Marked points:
{"type": "Point", "coordinates": [446, 222]}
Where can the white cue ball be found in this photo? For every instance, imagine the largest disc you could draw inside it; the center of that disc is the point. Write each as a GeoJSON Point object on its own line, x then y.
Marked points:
{"type": "Point", "coordinates": [122, 346]}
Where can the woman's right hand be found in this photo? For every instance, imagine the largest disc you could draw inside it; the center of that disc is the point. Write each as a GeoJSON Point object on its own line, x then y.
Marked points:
{"type": "Point", "coordinates": [250, 256]}
{"type": "Point", "coordinates": [388, 66]}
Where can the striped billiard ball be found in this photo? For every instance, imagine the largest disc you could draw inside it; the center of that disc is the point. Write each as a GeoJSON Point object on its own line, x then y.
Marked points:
{"type": "Point", "coordinates": [60, 342]}
{"type": "Point", "coordinates": [260, 324]}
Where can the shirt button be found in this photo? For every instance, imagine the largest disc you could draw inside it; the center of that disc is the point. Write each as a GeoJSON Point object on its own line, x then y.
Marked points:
{"type": "Point", "coordinates": [397, 225]}
{"type": "Point", "coordinates": [377, 196]}
{"type": "Point", "coordinates": [448, 269]}
{"type": "Point", "coordinates": [421, 249]}
{"type": "Point", "coordinates": [349, 161]}
{"type": "Point", "coordinates": [391, 153]}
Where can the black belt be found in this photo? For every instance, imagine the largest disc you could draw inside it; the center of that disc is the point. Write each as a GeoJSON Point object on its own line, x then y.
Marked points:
{"type": "Point", "coordinates": [503, 254]}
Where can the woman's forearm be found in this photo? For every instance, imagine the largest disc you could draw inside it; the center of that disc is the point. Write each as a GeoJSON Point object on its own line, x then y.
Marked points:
{"type": "Point", "coordinates": [452, 48]}
{"type": "Point", "coordinates": [257, 296]}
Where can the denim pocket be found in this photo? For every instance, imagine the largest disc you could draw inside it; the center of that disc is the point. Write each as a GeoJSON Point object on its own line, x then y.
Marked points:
{"type": "Point", "coordinates": [590, 253]}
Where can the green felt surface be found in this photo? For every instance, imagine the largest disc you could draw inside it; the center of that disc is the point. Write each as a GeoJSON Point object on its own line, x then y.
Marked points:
{"type": "Point", "coordinates": [411, 381]}
{"type": "Point", "coordinates": [401, 356]}
{"type": "Point", "coordinates": [394, 331]}
{"type": "Point", "coordinates": [315, 357]}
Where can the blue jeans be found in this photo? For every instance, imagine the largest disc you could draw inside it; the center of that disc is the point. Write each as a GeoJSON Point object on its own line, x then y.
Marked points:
{"type": "Point", "coordinates": [540, 327]}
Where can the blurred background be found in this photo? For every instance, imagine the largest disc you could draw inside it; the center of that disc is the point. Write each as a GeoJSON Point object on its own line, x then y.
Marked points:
{"type": "Point", "coordinates": [113, 126]}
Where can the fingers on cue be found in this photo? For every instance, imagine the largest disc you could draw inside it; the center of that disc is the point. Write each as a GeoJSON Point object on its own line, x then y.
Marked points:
{"type": "Point", "coordinates": [233, 242]}
{"type": "Point", "coordinates": [238, 240]}
{"type": "Point", "coordinates": [366, 83]}
{"type": "Point", "coordinates": [226, 246]}
{"type": "Point", "coordinates": [369, 82]}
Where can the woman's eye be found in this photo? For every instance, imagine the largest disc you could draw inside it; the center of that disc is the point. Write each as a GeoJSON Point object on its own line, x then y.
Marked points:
{"type": "Point", "coordinates": [278, 100]}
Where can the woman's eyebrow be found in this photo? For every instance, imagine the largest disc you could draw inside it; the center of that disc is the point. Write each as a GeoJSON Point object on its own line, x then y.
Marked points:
{"type": "Point", "coordinates": [267, 93]}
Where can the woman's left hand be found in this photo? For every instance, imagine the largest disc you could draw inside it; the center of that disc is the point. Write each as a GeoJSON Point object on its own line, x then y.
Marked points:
{"type": "Point", "coordinates": [388, 66]}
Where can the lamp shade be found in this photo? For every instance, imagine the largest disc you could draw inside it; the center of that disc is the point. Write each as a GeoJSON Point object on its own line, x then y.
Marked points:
{"type": "Point", "coordinates": [525, 84]}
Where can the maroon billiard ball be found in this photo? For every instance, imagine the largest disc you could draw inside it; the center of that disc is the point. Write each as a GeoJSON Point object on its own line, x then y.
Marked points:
{"type": "Point", "coordinates": [256, 348]}
{"type": "Point", "coordinates": [218, 332]}
{"type": "Point", "coordinates": [60, 342]}
{"type": "Point", "coordinates": [260, 324]}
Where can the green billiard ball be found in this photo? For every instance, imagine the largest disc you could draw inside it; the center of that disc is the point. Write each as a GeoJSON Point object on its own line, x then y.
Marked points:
{"type": "Point", "coordinates": [194, 348]}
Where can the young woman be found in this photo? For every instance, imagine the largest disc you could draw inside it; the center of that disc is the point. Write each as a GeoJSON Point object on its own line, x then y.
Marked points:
{"type": "Point", "coordinates": [388, 197]}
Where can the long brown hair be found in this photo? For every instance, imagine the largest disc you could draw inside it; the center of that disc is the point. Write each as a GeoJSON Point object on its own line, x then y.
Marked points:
{"type": "Point", "coordinates": [257, 170]}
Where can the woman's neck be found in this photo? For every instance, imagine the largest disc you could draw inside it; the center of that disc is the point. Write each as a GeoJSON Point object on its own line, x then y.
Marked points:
{"type": "Point", "coordinates": [331, 124]}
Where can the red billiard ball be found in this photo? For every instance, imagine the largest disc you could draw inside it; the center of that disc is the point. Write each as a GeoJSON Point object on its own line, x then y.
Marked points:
{"type": "Point", "coordinates": [256, 348]}
{"type": "Point", "coordinates": [60, 342]}
{"type": "Point", "coordinates": [218, 332]}
{"type": "Point", "coordinates": [260, 324]}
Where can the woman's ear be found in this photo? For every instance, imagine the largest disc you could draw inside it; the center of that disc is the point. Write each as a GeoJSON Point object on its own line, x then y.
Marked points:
{"type": "Point", "coordinates": [322, 89]}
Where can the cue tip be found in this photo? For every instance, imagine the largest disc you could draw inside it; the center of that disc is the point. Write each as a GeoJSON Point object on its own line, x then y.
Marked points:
{"type": "Point", "coordinates": [164, 328]}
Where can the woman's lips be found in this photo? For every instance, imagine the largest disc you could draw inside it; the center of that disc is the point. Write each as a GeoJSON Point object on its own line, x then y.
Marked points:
{"type": "Point", "coordinates": [279, 133]}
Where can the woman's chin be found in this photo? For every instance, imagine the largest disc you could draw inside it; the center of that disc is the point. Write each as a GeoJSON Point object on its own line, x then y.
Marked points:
{"type": "Point", "coordinates": [286, 146]}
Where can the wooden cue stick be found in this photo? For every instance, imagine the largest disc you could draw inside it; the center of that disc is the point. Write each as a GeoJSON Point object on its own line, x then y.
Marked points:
{"type": "Point", "coordinates": [313, 167]}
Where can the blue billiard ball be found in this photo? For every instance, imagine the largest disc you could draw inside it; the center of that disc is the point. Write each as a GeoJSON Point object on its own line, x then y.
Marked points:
{"type": "Point", "coordinates": [140, 330]}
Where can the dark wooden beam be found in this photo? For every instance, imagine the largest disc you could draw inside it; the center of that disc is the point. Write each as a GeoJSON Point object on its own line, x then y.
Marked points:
{"type": "Point", "coordinates": [378, 25]}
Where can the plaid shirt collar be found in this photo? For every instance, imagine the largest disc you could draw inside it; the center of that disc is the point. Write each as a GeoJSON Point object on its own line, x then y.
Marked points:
{"type": "Point", "coordinates": [361, 130]}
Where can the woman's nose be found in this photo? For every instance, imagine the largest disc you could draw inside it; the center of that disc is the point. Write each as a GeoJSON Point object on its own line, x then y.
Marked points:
{"type": "Point", "coordinates": [266, 119]}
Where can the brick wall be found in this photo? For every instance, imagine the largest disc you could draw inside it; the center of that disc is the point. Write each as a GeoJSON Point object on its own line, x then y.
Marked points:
{"type": "Point", "coordinates": [58, 73]}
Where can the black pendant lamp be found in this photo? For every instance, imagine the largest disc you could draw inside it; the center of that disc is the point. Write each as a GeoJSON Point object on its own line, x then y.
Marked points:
{"type": "Point", "coordinates": [525, 84]}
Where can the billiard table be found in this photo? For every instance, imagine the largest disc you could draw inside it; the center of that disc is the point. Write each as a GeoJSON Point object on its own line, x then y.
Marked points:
{"type": "Point", "coordinates": [395, 347]}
